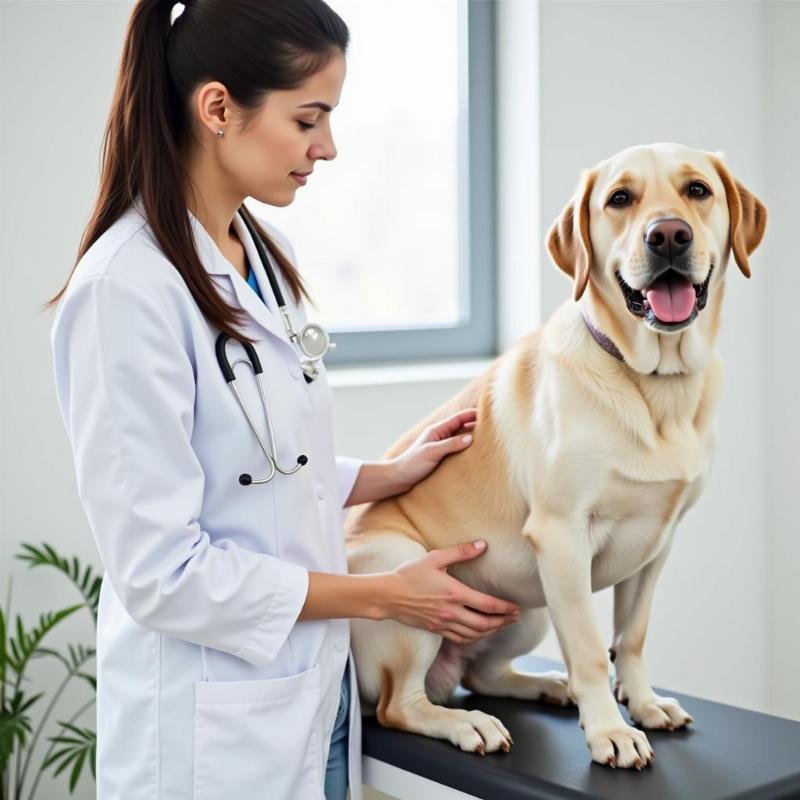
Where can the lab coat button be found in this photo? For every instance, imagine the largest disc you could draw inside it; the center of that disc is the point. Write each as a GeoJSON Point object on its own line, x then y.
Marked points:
{"type": "Point", "coordinates": [320, 491]}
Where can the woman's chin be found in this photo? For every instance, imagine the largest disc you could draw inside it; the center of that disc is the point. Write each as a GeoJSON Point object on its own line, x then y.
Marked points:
{"type": "Point", "coordinates": [276, 198]}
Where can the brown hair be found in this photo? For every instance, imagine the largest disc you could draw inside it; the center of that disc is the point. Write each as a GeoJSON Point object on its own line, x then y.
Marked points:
{"type": "Point", "coordinates": [250, 46]}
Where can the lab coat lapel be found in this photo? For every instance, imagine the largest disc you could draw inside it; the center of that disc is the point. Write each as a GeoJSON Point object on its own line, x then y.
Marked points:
{"type": "Point", "coordinates": [228, 279]}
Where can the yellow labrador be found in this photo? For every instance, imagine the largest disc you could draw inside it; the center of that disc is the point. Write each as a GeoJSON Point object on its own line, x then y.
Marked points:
{"type": "Point", "coordinates": [593, 438]}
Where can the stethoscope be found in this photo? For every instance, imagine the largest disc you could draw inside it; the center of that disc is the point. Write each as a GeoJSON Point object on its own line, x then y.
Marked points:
{"type": "Point", "coordinates": [313, 341]}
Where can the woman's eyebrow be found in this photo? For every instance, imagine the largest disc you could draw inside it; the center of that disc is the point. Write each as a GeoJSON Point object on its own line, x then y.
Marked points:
{"type": "Point", "coordinates": [317, 104]}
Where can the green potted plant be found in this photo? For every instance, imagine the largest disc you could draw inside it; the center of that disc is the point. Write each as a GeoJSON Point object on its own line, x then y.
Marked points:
{"type": "Point", "coordinates": [72, 746]}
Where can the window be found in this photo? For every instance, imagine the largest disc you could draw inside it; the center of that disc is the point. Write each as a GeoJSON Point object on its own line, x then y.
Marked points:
{"type": "Point", "coordinates": [395, 237]}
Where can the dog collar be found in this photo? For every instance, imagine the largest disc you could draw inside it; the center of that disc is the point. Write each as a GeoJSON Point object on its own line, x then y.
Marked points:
{"type": "Point", "coordinates": [603, 340]}
{"type": "Point", "coordinates": [606, 343]}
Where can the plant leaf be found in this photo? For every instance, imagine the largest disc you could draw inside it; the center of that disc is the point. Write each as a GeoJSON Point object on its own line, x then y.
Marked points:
{"type": "Point", "coordinates": [88, 585]}
{"type": "Point", "coordinates": [3, 650]}
{"type": "Point", "coordinates": [15, 724]}
{"type": "Point", "coordinates": [26, 644]}
{"type": "Point", "coordinates": [76, 770]}
{"type": "Point", "coordinates": [79, 747]}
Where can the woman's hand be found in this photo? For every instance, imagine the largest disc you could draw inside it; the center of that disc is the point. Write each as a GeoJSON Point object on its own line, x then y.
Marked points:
{"type": "Point", "coordinates": [422, 594]}
{"type": "Point", "coordinates": [432, 445]}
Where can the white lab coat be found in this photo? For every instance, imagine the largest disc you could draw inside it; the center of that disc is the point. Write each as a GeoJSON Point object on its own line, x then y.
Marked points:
{"type": "Point", "coordinates": [208, 687]}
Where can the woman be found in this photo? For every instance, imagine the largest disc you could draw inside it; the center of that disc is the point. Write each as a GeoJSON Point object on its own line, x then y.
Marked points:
{"type": "Point", "coordinates": [223, 635]}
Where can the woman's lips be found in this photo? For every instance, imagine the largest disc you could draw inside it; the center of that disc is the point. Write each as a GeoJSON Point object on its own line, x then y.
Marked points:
{"type": "Point", "coordinates": [301, 179]}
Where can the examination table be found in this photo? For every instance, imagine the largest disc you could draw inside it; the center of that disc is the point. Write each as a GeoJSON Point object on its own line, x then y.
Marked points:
{"type": "Point", "coordinates": [728, 753]}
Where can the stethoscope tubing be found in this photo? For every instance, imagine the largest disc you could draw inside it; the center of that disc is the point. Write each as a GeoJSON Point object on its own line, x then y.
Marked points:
{"type": "Point", "coordinates": [253, 362]}
{"type": "Point", "coordinates": [309, 366]}
{"type": "Point", "coordinates": [309, 363]}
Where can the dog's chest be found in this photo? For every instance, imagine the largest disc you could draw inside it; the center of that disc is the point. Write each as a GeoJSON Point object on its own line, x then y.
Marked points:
{"type": "Point", "coordinates": [675, 451]}
{"type": "Point", "coordinates": [630, 523]}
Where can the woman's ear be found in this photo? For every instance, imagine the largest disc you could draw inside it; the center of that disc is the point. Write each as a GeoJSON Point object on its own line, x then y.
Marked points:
{"type": "Point", "coordinates": [568, 240]}
{"type": "Point", "coordinates": [748, 217]}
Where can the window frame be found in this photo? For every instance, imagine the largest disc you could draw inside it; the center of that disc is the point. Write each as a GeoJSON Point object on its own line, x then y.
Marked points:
{"type": "Point", "coordinates": [475, 335]}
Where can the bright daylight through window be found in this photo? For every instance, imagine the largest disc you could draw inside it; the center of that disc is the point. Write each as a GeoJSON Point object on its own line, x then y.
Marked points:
{"type": "Point", "coordinates": [376, 231]}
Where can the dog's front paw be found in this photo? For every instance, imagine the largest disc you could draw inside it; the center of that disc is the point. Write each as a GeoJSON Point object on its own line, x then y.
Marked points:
{"type": "Point", "coordinates": [620, 746]}
{"type": "Point", "coordinates": [660, 713]}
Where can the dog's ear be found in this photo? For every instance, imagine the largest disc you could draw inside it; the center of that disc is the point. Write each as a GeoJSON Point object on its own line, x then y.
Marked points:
{"type": "Point", "coordinates": [748, 217]}
{"type": "Point", "coordinates": [568, 240]}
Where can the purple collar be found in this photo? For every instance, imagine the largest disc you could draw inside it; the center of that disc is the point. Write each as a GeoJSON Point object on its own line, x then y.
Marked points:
{"type": "Point", "coordinates": [603, 340]}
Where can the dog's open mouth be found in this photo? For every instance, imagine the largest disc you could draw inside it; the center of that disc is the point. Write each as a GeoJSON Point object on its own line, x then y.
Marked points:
{"type": "Point", "coordinates": [671, 301]}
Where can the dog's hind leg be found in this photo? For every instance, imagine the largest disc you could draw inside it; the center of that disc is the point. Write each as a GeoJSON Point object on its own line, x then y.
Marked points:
{"type": "Point", "coordinates": [491, 672]}
{"type": "Point", "coordinates": [392, 661]}
{"type": "Point", "coordinates": [404, 704]}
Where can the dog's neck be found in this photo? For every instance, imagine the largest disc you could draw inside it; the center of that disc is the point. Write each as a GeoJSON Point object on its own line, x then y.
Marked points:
{"type": "Point", "coordinates": [602, 339]}
{"type": "Point", "coordinates": [606, 343]}
{"type": "Point", "coordinates": [683, 354]}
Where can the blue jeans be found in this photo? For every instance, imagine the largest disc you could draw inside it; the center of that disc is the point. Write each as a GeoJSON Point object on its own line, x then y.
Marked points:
{"type": "Point", "coordinates": [336, 771]}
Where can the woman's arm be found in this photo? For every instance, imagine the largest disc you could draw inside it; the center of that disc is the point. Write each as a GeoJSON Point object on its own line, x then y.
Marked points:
{"type": "Point", "coordinates": [418, 593]}
{"type": "Point", "coordinates": [376, 480]}
{"type": "Point", "coordinates": [379, 479]}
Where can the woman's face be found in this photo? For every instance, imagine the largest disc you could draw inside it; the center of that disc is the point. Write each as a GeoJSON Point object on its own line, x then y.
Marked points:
{"type": "Point", "coordinates": [290, 133]}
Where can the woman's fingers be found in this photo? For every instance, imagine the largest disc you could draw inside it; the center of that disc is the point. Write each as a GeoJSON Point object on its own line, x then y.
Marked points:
{"type": "Point", "coordinates": [450, 425]}
{"type": "Point", "coordinates": [444, 556]}
{"type": "Point", "coordinates": [486, 603]}
{"type": "Point", "coordinates": [458, 633]}
{"type": "Point", "coordinates": [471, 630]}
{"type": "Point", "coordinates": [479, 623]}
{"type": "Point", "coordinates": [487, 626]}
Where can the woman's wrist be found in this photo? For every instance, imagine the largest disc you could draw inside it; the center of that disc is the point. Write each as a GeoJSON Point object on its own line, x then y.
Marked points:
{"type": "Point", "coordinates": [377, 480]}
{"type": "Point", "coordinates": [332, 596]}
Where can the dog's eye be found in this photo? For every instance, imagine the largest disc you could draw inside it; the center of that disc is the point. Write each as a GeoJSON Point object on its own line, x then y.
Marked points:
{"type": "Point", "coordinates": [698, 190]}
{"type": "Point", "coordinates": [619, 198]}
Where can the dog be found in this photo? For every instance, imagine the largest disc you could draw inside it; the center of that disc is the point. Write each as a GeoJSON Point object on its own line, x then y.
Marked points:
{"type": "Point", "coordinates": [593, 438]}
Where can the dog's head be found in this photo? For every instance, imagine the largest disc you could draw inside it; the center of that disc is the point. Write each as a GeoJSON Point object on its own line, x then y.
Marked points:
{"type": "Point", "coordinates": [649, 233]}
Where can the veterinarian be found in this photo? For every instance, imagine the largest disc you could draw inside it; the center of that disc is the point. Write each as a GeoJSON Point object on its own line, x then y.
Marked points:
{"type": "Point", "coordinates": [223, 644]}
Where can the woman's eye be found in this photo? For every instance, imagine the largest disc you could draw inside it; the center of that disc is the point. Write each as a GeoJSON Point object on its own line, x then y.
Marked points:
{"type": "Point", "coordinates": [619, 199]}
{"type": "Point", "coordinates": [698, 190]}
{"type": "Point", "coordinates": [306, 126]}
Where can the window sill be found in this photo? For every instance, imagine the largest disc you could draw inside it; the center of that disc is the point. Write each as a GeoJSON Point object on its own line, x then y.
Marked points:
{"type": "Point", "coordinates": [408, 372]}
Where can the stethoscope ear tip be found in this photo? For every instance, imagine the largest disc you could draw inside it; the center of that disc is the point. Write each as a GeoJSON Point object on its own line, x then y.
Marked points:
{"type": "Point", "coordinates": [245, 479]}
{"type": "Point", "coordinates": [302, 460]}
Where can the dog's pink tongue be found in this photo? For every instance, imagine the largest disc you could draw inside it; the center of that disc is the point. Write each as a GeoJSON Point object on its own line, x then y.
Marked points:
{"type": "Point", "coordinates": [671, 297]}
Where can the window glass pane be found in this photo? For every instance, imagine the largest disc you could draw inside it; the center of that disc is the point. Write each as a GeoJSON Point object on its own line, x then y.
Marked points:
{"type": "Point", "coordinates": [376, 229]}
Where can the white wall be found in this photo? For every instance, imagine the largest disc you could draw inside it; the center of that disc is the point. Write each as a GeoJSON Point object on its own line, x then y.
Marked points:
{"type": "Point", "coordinates": [724, 624]}
{"type": "Point", "coordinates": [782, 442]}
{"type": "Point", "coordinates": [57, 67]}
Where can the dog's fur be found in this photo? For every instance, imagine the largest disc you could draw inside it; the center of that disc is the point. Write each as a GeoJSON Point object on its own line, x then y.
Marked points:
{"type": "Point", "coordinates": [581, 466]}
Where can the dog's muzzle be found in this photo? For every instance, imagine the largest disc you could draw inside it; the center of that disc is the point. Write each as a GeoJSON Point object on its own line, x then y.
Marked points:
{"type": "Point", "coordinates": [669, 301]}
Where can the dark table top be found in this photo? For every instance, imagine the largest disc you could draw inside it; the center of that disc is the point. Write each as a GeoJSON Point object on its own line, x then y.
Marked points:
{"type": "Point", "coordinates": [726, 753]}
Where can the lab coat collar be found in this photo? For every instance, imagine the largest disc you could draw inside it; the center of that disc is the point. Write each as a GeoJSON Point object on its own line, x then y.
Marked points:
{"type": "Point", "coordinates": [262, 315]}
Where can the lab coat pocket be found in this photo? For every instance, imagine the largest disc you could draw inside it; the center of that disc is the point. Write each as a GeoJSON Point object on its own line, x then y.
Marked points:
{"type": "Point", "coordinates": [258, 739]}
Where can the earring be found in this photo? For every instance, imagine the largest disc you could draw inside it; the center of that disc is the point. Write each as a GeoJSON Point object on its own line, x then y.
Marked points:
{"type": "Point", "coordinates": [220, 132]}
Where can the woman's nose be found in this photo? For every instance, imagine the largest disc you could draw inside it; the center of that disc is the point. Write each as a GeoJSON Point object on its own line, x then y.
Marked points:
{"type": "Point", "coordinates": [324, 150]}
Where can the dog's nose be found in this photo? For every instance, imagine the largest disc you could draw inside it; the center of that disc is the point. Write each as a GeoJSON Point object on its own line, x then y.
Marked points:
{"type": "Point", "coordinates": [668, 237]}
